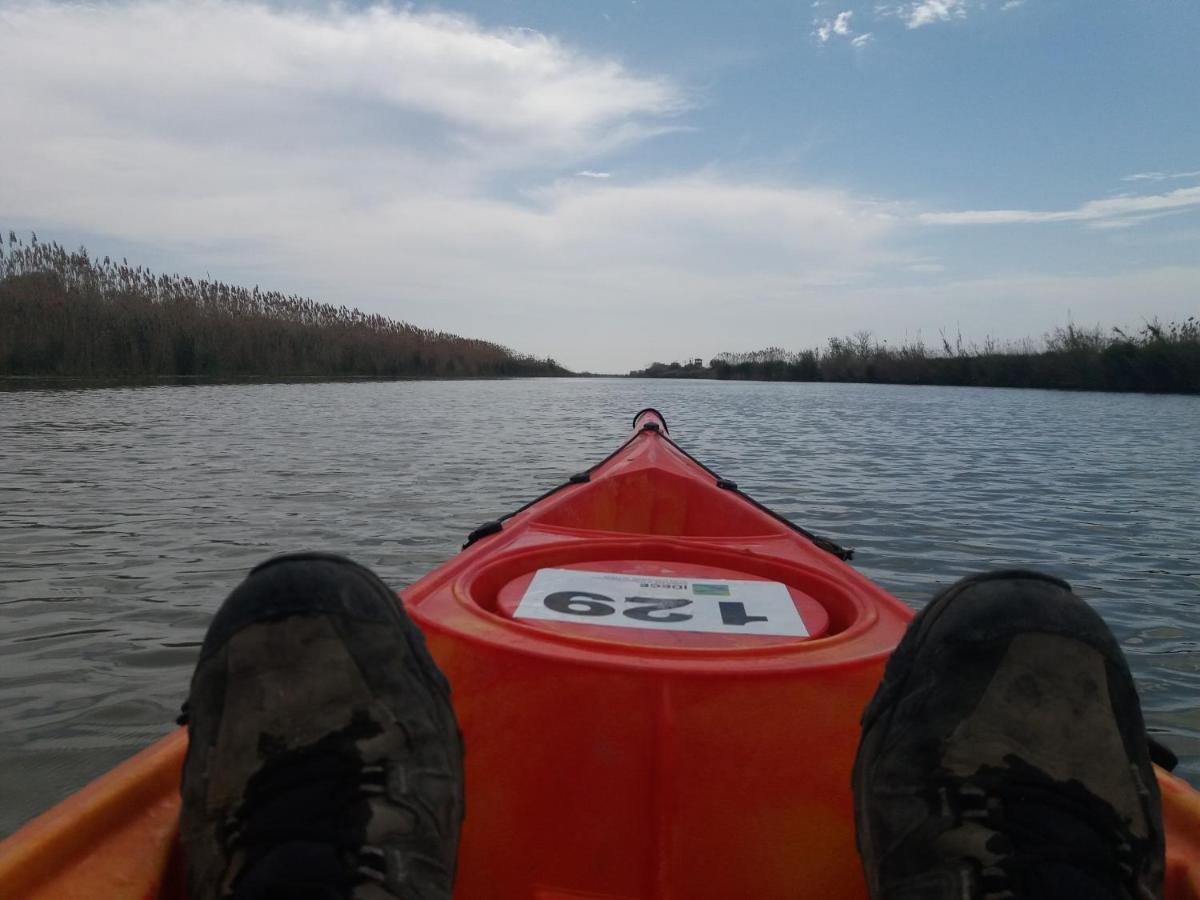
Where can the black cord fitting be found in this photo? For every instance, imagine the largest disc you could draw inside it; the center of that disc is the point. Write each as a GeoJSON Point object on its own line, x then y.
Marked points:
{"type": "Point", "coordinates": [483, 531]}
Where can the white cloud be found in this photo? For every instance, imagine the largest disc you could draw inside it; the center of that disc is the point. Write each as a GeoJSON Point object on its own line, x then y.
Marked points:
{"type": "Point", "coordinates": [927, 12]}
{"type": "Point", "coordinates": [862, 40]}
{"type": "Point", "coordinates": [839, 25]}
{"type": "Point", "coordinates": [1125, 208]}
{"type": "Point", "coordinates": [1114, 224]}
{"type": "Point", "coordinates": [1160, 176]}
{"type": "Point", "coordinates": [1010, 5]}
{"type": "Point", "coordinates": [199, 120]}
{"type": "Point", "coordinates": [236, 73]}
{"type": "Point", "coordinates": [390, 160]}
{"type": "Point", "coordinates": [411, 164]}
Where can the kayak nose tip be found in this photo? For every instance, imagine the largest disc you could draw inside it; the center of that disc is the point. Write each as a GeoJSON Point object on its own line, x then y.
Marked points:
{"type": "Point", "coordinates": [650, 419]}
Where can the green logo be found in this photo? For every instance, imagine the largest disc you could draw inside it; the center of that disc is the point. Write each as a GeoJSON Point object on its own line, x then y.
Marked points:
{"type": "Point", "coordinates": [710, 590]}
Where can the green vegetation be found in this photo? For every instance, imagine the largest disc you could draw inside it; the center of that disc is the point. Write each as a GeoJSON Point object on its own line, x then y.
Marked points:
{"type": "Point", "coordinates": [64, 313]}
{"type": "Point", "coordinates": [1158, 358]}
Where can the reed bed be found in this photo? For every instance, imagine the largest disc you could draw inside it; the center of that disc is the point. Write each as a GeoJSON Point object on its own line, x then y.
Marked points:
{"type": "Point", "coordinates": [66, 313]}
{"type": "Point", "coordinates": [1158, 358]}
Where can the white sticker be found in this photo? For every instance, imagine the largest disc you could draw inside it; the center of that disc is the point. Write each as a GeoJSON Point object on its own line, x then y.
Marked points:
{"type": "Point", "coordinates": [667, 603]}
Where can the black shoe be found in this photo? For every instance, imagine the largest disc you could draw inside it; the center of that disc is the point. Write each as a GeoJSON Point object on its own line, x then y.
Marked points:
{"type": "Point", "coordinates": [1004, 755]}
{"type": "Point", "coordinates": [324, 759]}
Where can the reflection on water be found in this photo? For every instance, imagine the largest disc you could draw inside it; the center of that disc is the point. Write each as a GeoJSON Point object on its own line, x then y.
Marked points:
{"type": "Point", "coordinates": [126, 514]}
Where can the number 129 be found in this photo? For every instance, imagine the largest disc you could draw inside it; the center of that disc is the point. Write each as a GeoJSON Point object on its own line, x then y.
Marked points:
{"type": "Point", "coordinates": [645, 609]}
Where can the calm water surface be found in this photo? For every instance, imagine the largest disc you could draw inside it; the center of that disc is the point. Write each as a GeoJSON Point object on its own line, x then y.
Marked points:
{"type": "Point", "coordinates": [127, 514]}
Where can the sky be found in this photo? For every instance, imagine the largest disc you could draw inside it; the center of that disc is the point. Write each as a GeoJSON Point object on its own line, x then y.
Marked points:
{"type": "Point", "coordinates": [620, 181]}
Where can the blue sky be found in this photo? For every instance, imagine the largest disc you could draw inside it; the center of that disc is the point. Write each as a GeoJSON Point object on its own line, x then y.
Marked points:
{"type": "Point", "coordinates": [614, 182]}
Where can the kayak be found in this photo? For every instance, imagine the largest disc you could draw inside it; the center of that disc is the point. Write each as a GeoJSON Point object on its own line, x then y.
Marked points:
{"type": "Point", "coordinates": [658, 681]}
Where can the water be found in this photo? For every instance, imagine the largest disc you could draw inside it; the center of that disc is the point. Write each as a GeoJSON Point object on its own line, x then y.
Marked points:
{"type": "Point", "coordinates": [127, 514]}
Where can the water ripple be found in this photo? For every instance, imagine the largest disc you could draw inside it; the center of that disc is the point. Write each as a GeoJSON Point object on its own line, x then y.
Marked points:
{"type": "Point", "coordinates": [129, 513]}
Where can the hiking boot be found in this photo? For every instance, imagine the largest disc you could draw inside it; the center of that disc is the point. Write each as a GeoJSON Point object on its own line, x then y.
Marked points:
{"type": "Point", "coordinates": [1004, 755]}
{"type": "Point", "coordinates": [324, 758]}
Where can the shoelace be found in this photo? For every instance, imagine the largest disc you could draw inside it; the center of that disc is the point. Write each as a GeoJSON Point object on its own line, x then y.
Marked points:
{"type": "Point", "coordinates": [298, 799]}
{"type": "Point", "coordinates": [321, 797]}
{"type": "Point", "coordinates": [1021, 808]}
{"type": "Point", "coordinates": [317, 794]}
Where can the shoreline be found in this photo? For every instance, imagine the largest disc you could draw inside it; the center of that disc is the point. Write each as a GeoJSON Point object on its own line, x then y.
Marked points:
{"type": "Point", "coordinates": [36, 382]}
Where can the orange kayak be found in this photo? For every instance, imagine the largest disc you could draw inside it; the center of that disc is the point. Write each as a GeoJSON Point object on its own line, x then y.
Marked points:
{"type": "Point", "coordinates": [658, 682]}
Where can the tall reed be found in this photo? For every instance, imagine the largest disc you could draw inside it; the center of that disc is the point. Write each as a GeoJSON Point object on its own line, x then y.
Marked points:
{"type": "Point", "coordinates": [1160, 358]}
{"type": "Point", "coordinates": [65, 313]}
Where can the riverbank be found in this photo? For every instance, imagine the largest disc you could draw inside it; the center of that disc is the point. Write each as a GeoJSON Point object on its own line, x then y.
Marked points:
{"type": "Point", "coordinates": [1158, 358]}
{"type": "Point", "coordinates": [88, 382]}
{"type": "Point", "coordinates": [64, 313]}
